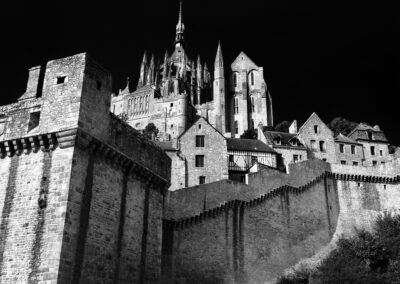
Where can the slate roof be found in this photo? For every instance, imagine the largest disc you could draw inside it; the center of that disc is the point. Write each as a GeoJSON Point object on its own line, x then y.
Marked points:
{"type": "Point", "coordinates": [344, 139]}
{"type": "Point", "coordinates": [252, 145]}
{"type": "Point", "coordinates": [285, 139]}
{"type": "Point", "coordinates": [365, 132]}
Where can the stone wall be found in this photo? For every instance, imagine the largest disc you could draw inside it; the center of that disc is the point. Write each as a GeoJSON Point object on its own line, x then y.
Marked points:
{"type": "Point", "coordinates": [81, 201]}
{"type": "Point", "coordinates": [254, 241]}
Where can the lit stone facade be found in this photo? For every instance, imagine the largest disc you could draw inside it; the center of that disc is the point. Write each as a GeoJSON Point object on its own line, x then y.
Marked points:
{"type": "Point", "coordinates": [173, 94]}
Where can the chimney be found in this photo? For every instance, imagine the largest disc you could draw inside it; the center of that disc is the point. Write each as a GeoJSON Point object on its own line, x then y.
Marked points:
{"type": "Point", "coordinates": [293, 127]}
{"type": "Point", "coordinates": [260, 133]}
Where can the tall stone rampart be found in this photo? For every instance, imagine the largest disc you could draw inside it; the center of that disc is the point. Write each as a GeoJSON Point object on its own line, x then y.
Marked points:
{"type": "Point", "coordinates": [254, 241]}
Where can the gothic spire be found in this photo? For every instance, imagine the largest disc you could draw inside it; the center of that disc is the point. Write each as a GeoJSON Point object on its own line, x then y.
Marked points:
{"type": "Point", "coordinates": [143, 72]}
{"type": "Point", "coordinates": [219, 62]}
{"type": "Point", "coordinates": [180, 29]}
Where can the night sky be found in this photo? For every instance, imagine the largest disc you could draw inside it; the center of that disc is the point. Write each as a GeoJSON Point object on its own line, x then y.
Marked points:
{"type": "Point", "coordinates": [337, 59]}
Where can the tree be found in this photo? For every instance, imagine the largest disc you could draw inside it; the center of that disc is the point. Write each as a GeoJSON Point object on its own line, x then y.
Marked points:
{"type": "Point", "coordinates": [249, 134]}
{"type": "Point", "coordinates": [341, 125]}
{"type": "Point", "coordinates": [150, 131]}
{"type": "Point", "coordinates": [283, 126]}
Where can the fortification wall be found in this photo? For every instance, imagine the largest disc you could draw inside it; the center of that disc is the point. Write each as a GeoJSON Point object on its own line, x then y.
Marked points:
{"type": "Point", "coordinates": [33, 204]}
{"type": "Point", "coordinates": [255, 241]}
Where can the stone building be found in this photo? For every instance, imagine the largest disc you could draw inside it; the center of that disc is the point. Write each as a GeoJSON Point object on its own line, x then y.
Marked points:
{"type": "Point", "coordinates": [287, 145]}
{"type": "Point", "coordinates": [174, 93]}
{"type": "Point", "coordinates": [80, 201]}
{"type": "Point", "coordinates": [348, 151]}
{"type": "Point", "coordinates": [318, 138]}
{"type": "Point", "coordinates": [374, 142]}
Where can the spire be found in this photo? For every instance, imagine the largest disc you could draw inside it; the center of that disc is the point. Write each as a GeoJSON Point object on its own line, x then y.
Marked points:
{"type": "Point", "coordinates": [143, 72]}
{"type": "Point", "coordinates": [180, 29]}
{"type": "Point", "coordinates": [150, 73]}
{"type": "Point", "coordinates": [219, 62]}
{"type": "Point", "coordinates": [165, 66]}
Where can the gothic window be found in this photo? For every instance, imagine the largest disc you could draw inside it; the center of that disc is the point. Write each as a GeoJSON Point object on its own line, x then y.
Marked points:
{"type": "Point", "coordinates": [147, 103]}
{"type": "Point", "coordinates": [129, 107]}
{"type": "Point", "coordinates": [134, 105]}
{"type": "Point", "coordinates": [252, 78]}
{"type": "Point", "coordinates": [236, 105]}
{"type": "Point", "coordinates": [141, 104]}
{"type": "Point", "coordinates": [235, 80]}
{"type": "Point", "coordinates": [252, 104]}
{"type": "Point", "coordinates": [236, 127]}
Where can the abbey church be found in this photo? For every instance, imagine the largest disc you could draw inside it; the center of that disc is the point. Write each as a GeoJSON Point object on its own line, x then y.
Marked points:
{"type": "Point", "coordinates": [233, 98]}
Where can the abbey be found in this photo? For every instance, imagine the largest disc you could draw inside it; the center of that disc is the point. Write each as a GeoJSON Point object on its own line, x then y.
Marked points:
{"type": "Point", "coordinates": [173, 94]}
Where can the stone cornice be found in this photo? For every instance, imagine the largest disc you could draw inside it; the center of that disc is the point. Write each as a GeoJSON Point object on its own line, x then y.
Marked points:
{"type": "Point", "coordinates": [77, 137]}
{"type": "Point", "coordinates": [285, 189]}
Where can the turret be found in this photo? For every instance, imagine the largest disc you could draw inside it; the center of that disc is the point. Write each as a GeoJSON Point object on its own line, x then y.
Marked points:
{"type": "Point", "coordinates": [143, 72]}
{"type": "Point", "coordinates": [219, 92]}
{"type": "Point", "coordinates": [151, 71]}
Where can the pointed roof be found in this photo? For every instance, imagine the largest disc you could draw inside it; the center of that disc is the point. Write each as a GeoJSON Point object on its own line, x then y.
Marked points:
{"type": "Point", "coordinates": [314, 114]}
{"type": "Point", "coordinates": [251, 145]}
{"type": "Point", "coordinates": [242, 60]}
{"type": "Point", "coordinates": [219, 61]}
{"type": "Point", "coordinates": [144, 57]}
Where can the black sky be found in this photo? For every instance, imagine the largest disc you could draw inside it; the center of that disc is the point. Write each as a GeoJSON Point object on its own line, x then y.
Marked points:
{"type": "Point", "coordinates": [337, 59]}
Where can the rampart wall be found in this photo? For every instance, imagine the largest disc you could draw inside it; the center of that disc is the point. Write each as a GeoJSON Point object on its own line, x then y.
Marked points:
{"type": "Point", "coordinates": [254, 241]}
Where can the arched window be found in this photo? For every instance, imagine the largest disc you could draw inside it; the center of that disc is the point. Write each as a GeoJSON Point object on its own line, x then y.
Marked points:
{"type": "Point", "coordinates": [252, 104]}
{"type": "Point", "coordinates": [141, 104]}
{"type": "Point", "coordinates": [134, 105]}
{"type": "Point", "coordinates": [147, 103]}
{"type": "Point", "coordinates": [236, 105]}
{"type": "Point", "coordinates": [235, 80]}
{"type": "Point", "coordinates": [252, 78]}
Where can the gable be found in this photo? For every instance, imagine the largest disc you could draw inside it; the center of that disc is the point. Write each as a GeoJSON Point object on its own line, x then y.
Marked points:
{"type": "Point", "coordinates": [313, 120]}
{"type": "Point", "coordinates": [204, 124]}
{"type": "Point", "coordinates": [243, 62]}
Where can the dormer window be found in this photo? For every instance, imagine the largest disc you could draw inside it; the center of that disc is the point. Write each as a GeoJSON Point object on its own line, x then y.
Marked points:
{"type": "Point", "coordinates": [252, 78]}
{"type": "Point", "coordinates": [294, 142]}
{"type": "Point", "coordinates": [278, 140]}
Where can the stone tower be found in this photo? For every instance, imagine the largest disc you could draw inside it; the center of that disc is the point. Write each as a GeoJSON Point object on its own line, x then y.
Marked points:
{"type": "Point", "coordinates": [219, 92]}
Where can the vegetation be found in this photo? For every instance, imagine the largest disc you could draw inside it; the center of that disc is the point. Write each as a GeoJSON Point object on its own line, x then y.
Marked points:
{"type": "Point", "coordinates": [366, 258]}
{"type": "Point", "coordinates": [249, 134]}
{"type": "Point", "coordinates": [150, 131]}
{"type": "Point", "coordinates": [283, 126]}
{"type": "Point", "coordinates": [341, 125]}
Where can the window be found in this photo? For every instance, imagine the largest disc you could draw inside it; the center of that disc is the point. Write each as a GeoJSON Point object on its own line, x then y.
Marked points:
{"type": "Point", "coordinates": [199, 126]}
{"type": "Point", "coordinates": [353, 149]}
{"type": "Point", "coordinates": [355, 163]}
{"type": "Point", "coordinates": [254, 160]}
{"type": "Point", "coordinates": [34, 118]}
{"type": "Point", "coordinates": [202, 179]}
{"type": "Point", "coordinates": [114, 108]}
{"type": "Point", "coordinates": [235, 80]}
{"type": "Point", "coordinates": [343, 162]}
{"type": "Point", "coordinates": [324, 159]}
{"type": "Point", "coordinates": [374, 163]}
{"type": "Point", "coordinates": [98, 85]}
{"type": "Point", "coordinates": [252, 78]}
{"type": "Point", "coordinates": [199, 161]}
{"type": "Point", "coordinates": [172, 126]}
{"type": "Point", "coordinates": [313, 145]}
{"type": "Point", "coordinates": [236, 105]}
{"type": "Point", "coordinates": [341, 148]}
{"type": "Point", "coordinates": [199, 140]}
{"type": "Point", "coordinates": [382, 163]}
{"type": "Point", "coordinates": [252, 124]}
{"type": "Point", "coordinates": [278, 140]}
{"type": "Point", "coordinates": [372, 150]}
{"type": "Point", "coordinates": [381, 153]}
{"type": "Point", "coordinates": [316, 129]}
{"type": "Point", "coordinates": [301, 157]}
{"type": "Point", "coordinates": [295, 158]}
{"type": "Point", "coordinates": [322, 146]}
{"type": "Point", "coordinates": [236, 127]}
{"type": "Point", "coordinates": [294, 142]}
{"type": "Point", "coordinates": [370, 135]}
{"type": "Point", "coordinates": [243, 179]}
{"type": "Point", "coordinates": [61, 80]}
{"type": "Point", "coordinates": [252, 104]}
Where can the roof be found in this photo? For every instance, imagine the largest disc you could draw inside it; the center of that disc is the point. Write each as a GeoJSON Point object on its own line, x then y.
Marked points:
{"type": "Point", "coordinates": [285, 138]}
{"type": "Point", "coordinates": [366, 132]}
{"type": "Point", "coordinates": [252, 145]}
{"type": "Point", "coordinates": [194, 123]}
{"type": "Point", "coordinates": [314, 114]}
{"type": "Point", "coordinates": [166, 146]}
{"type": "Point", "coordinates": [143, 89]}
{"type": "Point", "coordinates": [344, 139]}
